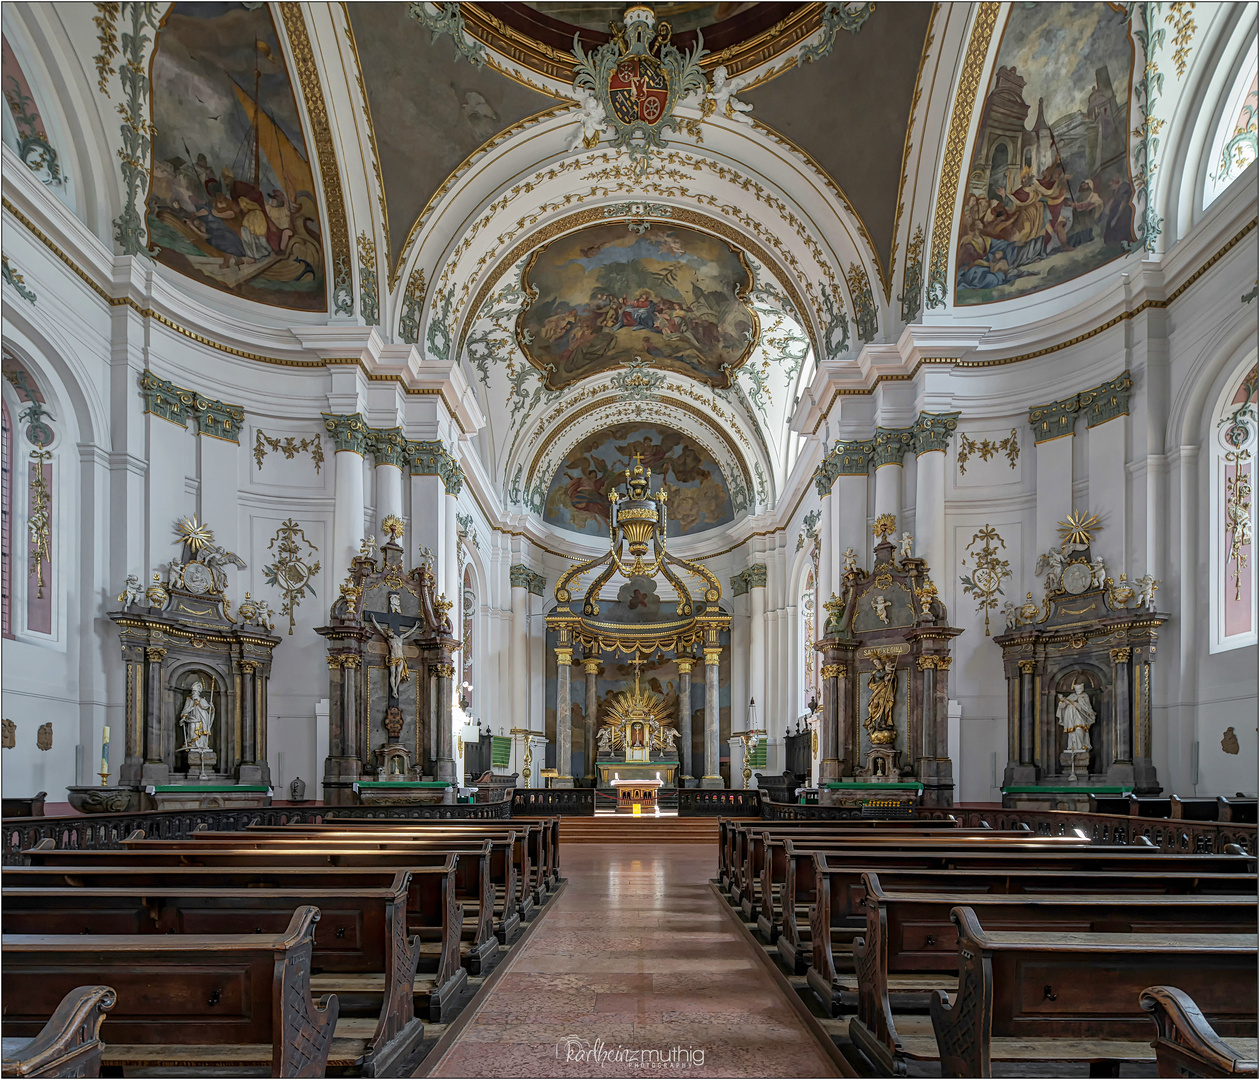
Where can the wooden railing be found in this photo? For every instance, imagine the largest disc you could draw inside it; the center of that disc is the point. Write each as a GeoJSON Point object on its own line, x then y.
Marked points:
{"type": "Point", "coordinates": [780, 811]}
{"type": "Point", "coordinates": [712, 802]}
{"type": "Point", "coordinates": [572, 802]}
{"type": "Point", "coordinates": [91, 831]}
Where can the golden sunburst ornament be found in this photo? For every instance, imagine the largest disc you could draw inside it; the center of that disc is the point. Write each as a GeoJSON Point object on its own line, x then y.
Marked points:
{"type": "Point", "coordinates": [393, 527]}
{"type": "Point", "coordinates": [1078, 530]}
{"type": "Point", "coordinates": [194, 535]}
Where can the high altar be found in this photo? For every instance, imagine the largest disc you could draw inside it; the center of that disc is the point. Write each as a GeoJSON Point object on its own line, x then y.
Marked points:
{"type": "Point", "coordinates": [635, 741]}
{"type": "Point", "coordinates": [390, 676]}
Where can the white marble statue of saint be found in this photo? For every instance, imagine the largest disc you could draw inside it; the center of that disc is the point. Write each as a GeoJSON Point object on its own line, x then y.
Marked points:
{"type": "Point", "coordinates": [397, 661]}
{"type": "Point", "coordinates": [604, 740]}
{"type": "Point", "coordinates": [1076, 716]}
{"type": "Point", "coordinates": [197, 719]}
{"type": "Point", "coordinates": [1051, 564]}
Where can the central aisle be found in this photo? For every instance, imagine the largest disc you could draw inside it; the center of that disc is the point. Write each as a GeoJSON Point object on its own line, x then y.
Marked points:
{"type": "Point", "coordinates": [637, 958]}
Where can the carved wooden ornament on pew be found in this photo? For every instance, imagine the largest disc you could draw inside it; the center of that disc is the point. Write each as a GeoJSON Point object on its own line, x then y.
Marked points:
{"type": "Point", "coordinates": [390, 645]}
{"type": "Point", "coordinates": [1084, 631]}
{"type": "Point", "coordinates": [885, 668]}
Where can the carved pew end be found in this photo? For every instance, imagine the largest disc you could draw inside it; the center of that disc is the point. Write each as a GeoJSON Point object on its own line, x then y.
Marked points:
{"type": "Point", "coordinates": [1185, 1043]}
{"type": "Point", "coordinates": [70, 1043]}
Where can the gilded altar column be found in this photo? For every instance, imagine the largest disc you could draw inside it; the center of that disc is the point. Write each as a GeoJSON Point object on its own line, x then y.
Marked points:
{"type": "Point", "coordinates": [591, 667]}
{"type": "Point", "coordinates": [564, 718]}
{"type": "Point", "coordinates": [712, 757]}
{"type": "Point", "coordinates": [684, 714]}
{"type": "Point", "coordinates": [349, 435]}
{"type": "Point", "coordinates": [155, 768]}
{"type": "Point", "coordinates": [442, 676]}
{"type": "Point", "coordinates": [932, 432]}
{"type": "Point", "coordinates": [389, 449]}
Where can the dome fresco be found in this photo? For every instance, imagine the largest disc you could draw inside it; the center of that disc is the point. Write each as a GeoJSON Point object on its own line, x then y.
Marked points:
{"type": "Point", "coordinates": [698, 496]}
{"type": "Point", "coordinates": [681, 17]}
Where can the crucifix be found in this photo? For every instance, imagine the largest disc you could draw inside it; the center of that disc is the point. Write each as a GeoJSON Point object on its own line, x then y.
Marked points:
{"type": "Point", "coordinates": [397, 631]}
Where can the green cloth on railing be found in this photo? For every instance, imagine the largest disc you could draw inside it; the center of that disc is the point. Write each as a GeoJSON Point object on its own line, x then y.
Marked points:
{"type": "Point", "coordinates": [758, 757]}
{"type": "Point", "coordinates": [500, 751]}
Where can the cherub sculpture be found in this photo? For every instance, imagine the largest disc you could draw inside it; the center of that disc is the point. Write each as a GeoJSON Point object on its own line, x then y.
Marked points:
{"type": "Point", "coordinates": [907, 546]}
{"type": "Point", "coordinates": [591, 122]}
{"type": "Point", "coordinates": [1146, 586]}
{"type": "Point", "coordinates": [1011, 611]}
{"type": "Point", "coordinates": [723, 92]}
{"type": "Point", "coordinates": [880, 604]}
{"type": "Point", "coordinates": [132, 591]}
{"type": "Point", "coordinates": [849, 558]}
{"type": "Point", "coordinates": [1051, 564]}
{"type": "Point", "coordinates": [1099, 571]}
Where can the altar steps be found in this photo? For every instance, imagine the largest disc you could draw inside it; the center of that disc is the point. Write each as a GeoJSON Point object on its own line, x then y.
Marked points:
{"type": "Point", "coordinates": [627, 829]}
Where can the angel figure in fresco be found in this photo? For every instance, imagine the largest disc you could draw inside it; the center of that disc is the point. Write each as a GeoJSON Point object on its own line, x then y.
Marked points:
{"type": "Point", "coordinates": [883, 687]}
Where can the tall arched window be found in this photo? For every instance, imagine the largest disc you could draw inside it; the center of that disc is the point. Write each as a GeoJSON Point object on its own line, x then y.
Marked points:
{"type": "Point", "coordinates": [1234, 516]}
{"type": "Point", "coordinates": [1235, 145]}
{"type": "Point", "coordinates": [809, 634]}
{"type": "Point", "coordinates": [468, 611]}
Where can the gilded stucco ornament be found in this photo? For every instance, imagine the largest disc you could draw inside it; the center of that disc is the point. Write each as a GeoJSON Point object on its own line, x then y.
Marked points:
{"type": "Point", "coordinates": [638, 79]}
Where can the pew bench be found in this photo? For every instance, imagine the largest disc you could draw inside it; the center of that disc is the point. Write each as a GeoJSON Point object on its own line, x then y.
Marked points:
{"type": "Point", "coordinates": [910, 944]}
{"type": "Point", "coordinates": [434, 914]}
{"type": "Point", "coordinates": [69, 1044]}
{"type": "Point", "coordinates": [195, 1000]}
{"type": "Point", "coordinates": [1186, 1045]}
{"type": "Point", "coordinates": [361, 949]}
{"type": "Point", "coordinates": [1047, 996]}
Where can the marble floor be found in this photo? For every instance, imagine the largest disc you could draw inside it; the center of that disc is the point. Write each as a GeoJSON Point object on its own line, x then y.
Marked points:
{"type": "Point", "coordinates": [636, 972]}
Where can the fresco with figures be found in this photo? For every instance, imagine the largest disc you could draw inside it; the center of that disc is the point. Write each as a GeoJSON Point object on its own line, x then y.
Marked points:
{"type": "Point", "coordinates": [232, 201]}
{"type": "Point", "coordinates": [672, 296]}
{"type": "Point", "coordinates": [1049, 194]}
{"type": "Point", "coordinates": [597, 16]}
{"type": "Point", "coordinates": [698, 495]}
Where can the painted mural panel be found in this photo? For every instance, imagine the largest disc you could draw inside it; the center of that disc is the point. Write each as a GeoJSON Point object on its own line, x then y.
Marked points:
{"type": "Point", "coordinates": [1049, 195]}
{"type": "Point", "coordinates": [698, 495]}
{"type": "Point", "coordinates": [232, 200]}
{"type": "Point", "coordinates": [675, 297]}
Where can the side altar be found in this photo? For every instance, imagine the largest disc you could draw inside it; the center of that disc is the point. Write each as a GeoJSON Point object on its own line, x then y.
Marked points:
{"type": "Point", "coordinates": [390, 682]}
{"type": "Point", "coordinates": [886, 657]}
{"type": "Point", "coordinates": [636, 742]}
{"type": "Point", "coordinates": [195, 729]}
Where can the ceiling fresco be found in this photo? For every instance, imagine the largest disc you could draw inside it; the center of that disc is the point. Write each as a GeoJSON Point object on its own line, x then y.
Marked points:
{"type": "Point", "coordinates": [698, 496]}
{"type": "Point", "coordinates": [605, 296]}
{"type": "Point", "coordinates": [681, 17]}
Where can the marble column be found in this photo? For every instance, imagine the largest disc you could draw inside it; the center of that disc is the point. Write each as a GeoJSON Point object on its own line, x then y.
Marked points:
{"type": "Point", "coordinates": [829, 722]}
{"type": "Point", "coordinates": [443, 678]}
{"type": "Point", "coordinates": [564, 718]}
{"type": "Point", "coordinates": [684, 714]}
{"type": "Point", "coordinates": [248, 749]}
{"type": "Point", "coordinates": [518, 647]}
{"type": "Point", "coordinates": [349, 709]}
{"type": "Point", "coordinates": [931, 433]}
{"type": "Point", "coordinates": [155, 769]}
{"type": "Point", "coordinates": [349, 435]}
{"type": "Point", "coordinates": [757, 639]}
{"type": "Point", "coordinates": [1121, 697]}
{"type": "Point", "coordinates": [712, 757]}
{"type": "Point", "coordinates": [591, 667]}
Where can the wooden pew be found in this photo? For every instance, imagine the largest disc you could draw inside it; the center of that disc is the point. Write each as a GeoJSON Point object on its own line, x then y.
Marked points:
{"type": "Point", "coordinates": [183, 999]}
{"type": "Point", "coordinates": [1238, 809]}
{"type": "Point", "coordinates": [361, 948]}
{"type": "Point", "coordinates": [1186, 1045]}
{"type": "Point", "coordinates": [474, 886]}
{"type": "Point", "coordinates": [433, 912]}
{"type": "Point", "coordinates": [791, 902]}
{"type": "Point", "coordinates": [1037, 996]}
{"type": "Point", "coordinates": [69, 1044]}
{"type": "Point", "coordinates": [910, 942]}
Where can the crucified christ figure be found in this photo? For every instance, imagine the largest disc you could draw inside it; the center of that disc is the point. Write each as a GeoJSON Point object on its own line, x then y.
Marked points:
{"type": "Point", "coordinates": [397, 662]}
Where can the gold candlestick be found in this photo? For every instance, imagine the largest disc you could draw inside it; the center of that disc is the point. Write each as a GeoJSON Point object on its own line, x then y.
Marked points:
{"type": "Point", "coordinates": [104, 778]}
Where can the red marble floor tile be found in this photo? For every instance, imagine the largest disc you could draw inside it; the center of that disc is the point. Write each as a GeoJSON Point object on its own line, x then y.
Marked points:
{"type": "Point", "coordinates": [635, 972]}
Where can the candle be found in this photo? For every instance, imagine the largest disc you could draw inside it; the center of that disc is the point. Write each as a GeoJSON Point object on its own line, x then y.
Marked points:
{"type": "Point", "coordinates": [105, 751]}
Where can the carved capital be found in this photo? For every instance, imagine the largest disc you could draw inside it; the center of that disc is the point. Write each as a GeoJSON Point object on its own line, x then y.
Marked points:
{"type": "Point", "coordinates": [932, 431]}
{"type": "Point", "coordinates": [248, 667]}
{"type": "Point", "coordinates": [926, 662]}
{"type": "Point", "coordinates": [387, 446]}
{"type": "Point", "coordinates": [591, 667]}
{"type": "Point", "coordinates": [175, 403]}
{"type": "Point", "coordinates": [1121, 656]}
{"type": "Point", "coordinates": [832, 671]}
{"type": "Point", "coordinates": [1027, 667]}
{"type": "Point", "coordinates": [442, 671]}
{"type": "Point", "coordinates": [943, 663]}
{"type": "Point", "coordinates": [348, 432]}
{"type": "Point", "coordinates": [564, 657]}
{"type": "Point", "coordinates": [684, 666]}
{"type": "Point", "coordinates": [1107, 401]}
{"type": "Point", "coordinates": [712, 656]}
{"type": "Point", "coordinates": [752, 578]}
{"type": "Point", "coordinates": [334, 663]}
{"type": "Point", "coordinates": [351, 662]}
{"type": "Point", "coordinates": [154, 654]}
{"type": "Point", "coordinates": [432, 458]}
{"type": "Point", "coordinates": [1054, 420]}
{"type": "Point", "coordinates": [852, 458]}
{"type": "Point", "coordinates": [892, 444]}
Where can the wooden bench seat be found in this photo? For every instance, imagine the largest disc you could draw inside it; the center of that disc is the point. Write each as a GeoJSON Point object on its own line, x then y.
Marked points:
{"type": "Point", "coordinates": [192, 994]}
{"type": "Point", "coordinates": [362, 934]}
{"type": "Point", "coordinates": [1042, 988]}
{"type": "Point", "coordinates": [1186, 1045]}
{"type": "Point", "coordinates": [69, 1044]}
{"type": "Point", "coordinates": [434, 913]}
{"type": "Point", "coordinates": [910, 941]}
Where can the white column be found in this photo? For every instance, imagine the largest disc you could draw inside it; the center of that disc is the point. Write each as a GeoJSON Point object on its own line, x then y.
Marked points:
{"type": "Point", "coordinates": [1108, 487]}
{"type": "Point", "coordinates": [888, 489]}
{"type": "Point", "coordinates": [428, 500]}
{"type": "Point", "coordinates": [756, 646]}
{"type": "Point", "coordinates": [850, 496]}
{"type": "Point", "coordinates": [1053, 427]}
{"type": "Point", "coordinates": [827, 581]}
{"type": "Point", "coordinates": [348, 513]}
{"type": "Point", "coordinates": [518, 650]}
{"type": "Point", "coordinates": [448, 558]}
{"type": "Point", "coordinates": [389, 494]}
{"type": "Point", "coordinates": [929, 512]}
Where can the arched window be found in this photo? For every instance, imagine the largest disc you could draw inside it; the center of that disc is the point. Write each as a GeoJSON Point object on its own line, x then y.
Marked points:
{"type": "Point", "coordinates": [1234, 516]}
{"type": "Point", "coordinates": [1235, 144]}
{"type": "Point", "coordinates": [809, 634]}
{"type": "Point", "coordinates": [468, 612]}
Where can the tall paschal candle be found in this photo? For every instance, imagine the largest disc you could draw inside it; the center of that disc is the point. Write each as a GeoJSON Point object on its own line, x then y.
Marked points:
{"type": "Point", "coordinates": [105, 751]}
